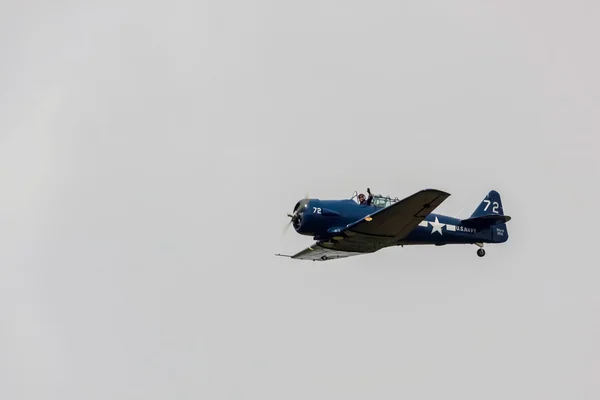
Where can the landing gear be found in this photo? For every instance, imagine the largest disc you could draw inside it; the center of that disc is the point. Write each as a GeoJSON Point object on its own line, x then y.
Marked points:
{"type": "Point", "coordinates": [480, 251]}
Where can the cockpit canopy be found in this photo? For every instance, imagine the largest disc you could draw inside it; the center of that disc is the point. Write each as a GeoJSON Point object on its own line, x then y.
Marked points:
{"type": "Point", "coordinates": [382, 202]}
{"type": "Point", "coordinates": [379, 201]}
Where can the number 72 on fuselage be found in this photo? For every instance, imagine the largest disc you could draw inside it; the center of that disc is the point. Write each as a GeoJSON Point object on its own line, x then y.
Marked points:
{"type": "Point", "coordinates": [344, 228]}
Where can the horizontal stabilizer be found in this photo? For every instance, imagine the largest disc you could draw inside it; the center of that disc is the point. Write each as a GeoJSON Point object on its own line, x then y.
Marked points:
{"type": "Point", "coordinates": [485, 221]}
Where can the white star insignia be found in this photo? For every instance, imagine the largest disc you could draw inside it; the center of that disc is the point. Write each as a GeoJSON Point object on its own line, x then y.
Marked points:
{"type": "Point", "coordinates": [437, 227]}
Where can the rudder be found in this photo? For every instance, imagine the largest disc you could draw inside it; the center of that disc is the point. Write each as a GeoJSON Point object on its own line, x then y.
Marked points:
{"type": "Point", "coordinates": [489, 207]}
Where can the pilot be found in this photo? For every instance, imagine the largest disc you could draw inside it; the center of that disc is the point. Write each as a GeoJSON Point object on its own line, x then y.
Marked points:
{"type": "Point", "coordinates": [362, 201]}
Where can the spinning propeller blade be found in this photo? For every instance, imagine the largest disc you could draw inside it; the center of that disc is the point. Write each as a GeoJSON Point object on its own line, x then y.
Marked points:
{"type": "Point", "coordinates": [297, 211]}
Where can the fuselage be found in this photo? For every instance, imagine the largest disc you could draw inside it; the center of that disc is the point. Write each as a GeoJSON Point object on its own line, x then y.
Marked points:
{"type": "Point", "coordinates": [323, 218]}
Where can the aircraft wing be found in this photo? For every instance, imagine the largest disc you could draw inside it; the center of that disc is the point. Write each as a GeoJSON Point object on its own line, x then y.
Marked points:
{"type": "Point", "coordinates": [377, 230]}
{"type": "Point", "coordinates": [399, 219]}
{"type": "Point", "coordinates": [321, 251]}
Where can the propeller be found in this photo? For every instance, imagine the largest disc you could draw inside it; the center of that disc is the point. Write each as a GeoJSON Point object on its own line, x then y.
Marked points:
{"type": "Point", "coordinates": [298, 210]}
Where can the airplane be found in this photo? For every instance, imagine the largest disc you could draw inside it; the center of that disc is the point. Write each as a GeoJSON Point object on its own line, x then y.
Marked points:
{"type": "Point", "coordinates": [345, 228]}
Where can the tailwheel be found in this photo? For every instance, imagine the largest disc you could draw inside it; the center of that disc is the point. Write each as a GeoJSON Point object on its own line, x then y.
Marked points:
{"type": "Point", "coordinates": [481, 252]}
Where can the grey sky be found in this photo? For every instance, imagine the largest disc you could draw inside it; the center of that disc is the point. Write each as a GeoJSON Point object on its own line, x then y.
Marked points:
{"type": "Point", "coordinates": [150, 152]}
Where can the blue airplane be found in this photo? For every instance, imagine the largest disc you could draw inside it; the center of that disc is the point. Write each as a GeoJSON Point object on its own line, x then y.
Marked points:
{"type": "Point", "coordinates": [345, 228]}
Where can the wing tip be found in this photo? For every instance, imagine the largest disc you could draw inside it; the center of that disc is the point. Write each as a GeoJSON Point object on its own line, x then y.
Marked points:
{"type": "Point", "coordinates": [439, 191]}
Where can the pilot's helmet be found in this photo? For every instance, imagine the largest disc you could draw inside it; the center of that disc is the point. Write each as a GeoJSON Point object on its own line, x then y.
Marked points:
{"type": "Point", "coordinates": [361, 197]}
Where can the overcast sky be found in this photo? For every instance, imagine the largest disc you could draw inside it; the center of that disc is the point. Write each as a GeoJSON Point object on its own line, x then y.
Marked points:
{"type": "Point", "coordinates": [149, 154]}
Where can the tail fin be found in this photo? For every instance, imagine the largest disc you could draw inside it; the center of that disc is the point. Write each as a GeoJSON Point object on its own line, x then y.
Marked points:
{"type": "Point", "coordinates": [491, 205]}
{"type": "Point", "coordinates": [490, 213]}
